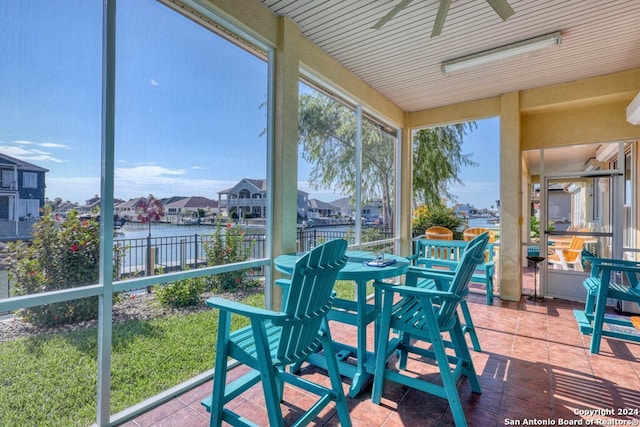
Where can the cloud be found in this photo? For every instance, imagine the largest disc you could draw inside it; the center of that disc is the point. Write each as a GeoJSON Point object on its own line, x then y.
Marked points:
{"type": "Point", "coordinates": [43, 144]}
{"type": "Point", "coordinates": [146, 172]}
{"type": "Point", "coordinates": [28, 155]}
{"type": "Point", "coordinates": [154, 82]}
{"type": "Point", "coordinates": [160, 181]}
{"type": "Point", "coordinates": [54, 145]}
{"type": "Point", "coordinates": [76, 189]}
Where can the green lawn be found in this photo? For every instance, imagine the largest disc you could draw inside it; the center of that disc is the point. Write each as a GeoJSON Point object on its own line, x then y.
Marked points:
{"type": "Point", "coordinates": [50, 380]}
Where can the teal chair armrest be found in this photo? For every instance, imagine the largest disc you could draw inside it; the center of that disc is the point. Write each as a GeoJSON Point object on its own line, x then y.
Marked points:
{"type": "Point", "coordinates": [244, 309]}
{"type": "Point", "coordinates": [285, 285]}
{"type": "Point", "coordinates": [430, 293]}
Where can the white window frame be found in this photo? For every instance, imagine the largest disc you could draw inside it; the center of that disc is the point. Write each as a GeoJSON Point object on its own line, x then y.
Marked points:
{"type": "Point", "coordinates": [8, 178]}
{"type": "Point", "coordinates": [29, 180]}
{"type": "Point", "coordinates": [29, 207]}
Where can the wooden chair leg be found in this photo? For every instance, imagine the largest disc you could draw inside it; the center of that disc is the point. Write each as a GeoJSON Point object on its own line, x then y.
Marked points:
{"type": "Point", "coordinates": [469, 327]}
{"type": "Point", "coordinates": [463, 354]}
{"type": "Point", "coordinates": [272, 394]}
{"type": "Point", "coordinates": [334, 377]}
{"type": "Point", "coordinates": [598, 324]}
{"type": "Point", "coordinates": [446, 375]}
{"type": "Point", "coordinates": [220, 370]}
{"type": "Point", "coordinates": [489, 290]}
{"type": "Point", "coordinates": [382, 350]}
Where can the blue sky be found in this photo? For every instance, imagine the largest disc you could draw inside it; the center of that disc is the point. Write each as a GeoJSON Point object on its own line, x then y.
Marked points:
{"type": "Point", "coordinates": [183, 126]}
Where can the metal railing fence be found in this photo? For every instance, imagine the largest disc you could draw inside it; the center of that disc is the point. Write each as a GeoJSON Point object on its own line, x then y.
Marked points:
{"type": "Point", "coordinates": [152, 255]}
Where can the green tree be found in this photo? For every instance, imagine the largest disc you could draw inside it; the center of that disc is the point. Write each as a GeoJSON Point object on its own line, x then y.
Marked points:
{"type": "Point", "coordinates": [437, 160]}
{"type": "Point", "coordinates": [54, 204]}
{"type": "Point", "coordinates": [150, 210]}
{"type": "Point", "coordinates": [327, 136]}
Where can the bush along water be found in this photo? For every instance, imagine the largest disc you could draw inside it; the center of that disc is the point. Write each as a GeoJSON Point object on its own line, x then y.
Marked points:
{"type": "Point", "coordinates": [61, 255]}
{"type": "Point", "coordinates": [425, 217]}
{"type": "Point", "coordinates": [227, 246]}
{"type": "Point", "coordinates": [181, 293]}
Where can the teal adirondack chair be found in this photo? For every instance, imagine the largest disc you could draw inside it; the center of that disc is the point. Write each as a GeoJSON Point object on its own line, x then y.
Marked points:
{"type": "Point", "coordinates": [429, 314]}
{"type": "Point", "coordinates": [275, 340]}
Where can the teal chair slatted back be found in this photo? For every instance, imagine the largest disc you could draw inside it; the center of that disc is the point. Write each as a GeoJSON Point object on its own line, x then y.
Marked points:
{"type": "Point", "coordinates": [308, 301]}
{"type": "Point", "coordinates": [275, 340]}
{"type": "Point", "coordinates": [473, 255]}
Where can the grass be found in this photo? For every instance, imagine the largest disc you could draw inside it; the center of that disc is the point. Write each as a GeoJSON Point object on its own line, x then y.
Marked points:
{"type": "Point", "coordinates": [50, 380]}
{"type": "Point", "coordinates": [346, 289]}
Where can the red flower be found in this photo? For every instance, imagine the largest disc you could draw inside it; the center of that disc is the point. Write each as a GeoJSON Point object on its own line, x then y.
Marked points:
{"type": "Point", "coordinates": [229, 225]}
{"type": "Point", "coordinates": [74, 247]}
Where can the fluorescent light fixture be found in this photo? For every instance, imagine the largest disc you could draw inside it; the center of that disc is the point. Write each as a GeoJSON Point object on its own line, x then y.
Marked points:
{"type": "Point", "coordinates": [503, 52]}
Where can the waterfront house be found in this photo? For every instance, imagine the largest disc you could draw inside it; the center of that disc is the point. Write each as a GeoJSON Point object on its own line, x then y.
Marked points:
{"type": "Point", "coordinates": [129, 210]}
{"type": "Point", "coordinates": [320, 209]}
{"type": "Point", "coordinates": [190, 210]}
{"type": "Point", "coordinates": [345, 207]}
{"type": "Point", "coordinates": [90, 206]}
{"type": "Point", "coordinates": [248, 199]}
{"type": "Point", "coordinates": [22, 194]}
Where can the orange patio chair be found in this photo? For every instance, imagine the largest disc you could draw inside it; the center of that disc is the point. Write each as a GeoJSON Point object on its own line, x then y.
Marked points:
{"type": "Point", "coordinates": [564, 256]}
{"type": "Point", "coordinates": [472, 232]}
{"type": "Point", "coordinates": [438, 233]}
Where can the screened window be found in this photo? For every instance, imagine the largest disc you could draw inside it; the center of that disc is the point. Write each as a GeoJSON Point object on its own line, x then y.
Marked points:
{"type": "Point", "coordinates": [346, 170]}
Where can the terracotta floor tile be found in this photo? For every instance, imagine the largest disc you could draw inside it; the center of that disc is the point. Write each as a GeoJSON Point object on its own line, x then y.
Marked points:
{"type": "Point", "coordinates": [534, 364]}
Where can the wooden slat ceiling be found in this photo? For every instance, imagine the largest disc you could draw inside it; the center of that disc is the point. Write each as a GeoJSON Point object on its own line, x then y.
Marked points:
{"type": "Point", "coordinates": [403, 63]}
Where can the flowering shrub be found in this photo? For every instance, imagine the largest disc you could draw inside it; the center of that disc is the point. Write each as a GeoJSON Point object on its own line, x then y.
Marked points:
{"type": "Point", "coordinates": [180, 293]}
{"type": "Point", "coordinates": [227, 246]}
{"type": "Point", "coordinates": [60, 256]}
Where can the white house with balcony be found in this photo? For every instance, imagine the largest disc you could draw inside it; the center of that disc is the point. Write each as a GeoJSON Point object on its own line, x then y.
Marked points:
{"type": "Point", "coordinates": [248, 199]}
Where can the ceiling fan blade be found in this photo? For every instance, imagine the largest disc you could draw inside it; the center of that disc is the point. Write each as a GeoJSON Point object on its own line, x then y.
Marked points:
{"type": "Point", "coordinates": [393, 12]}
{"type": "Point", "coordinates": [502, 8]}
{"type": "Point", "coordinates": [440, 17]}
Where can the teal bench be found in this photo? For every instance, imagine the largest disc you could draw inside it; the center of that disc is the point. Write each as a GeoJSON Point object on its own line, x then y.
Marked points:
{"type": "Point", "coordinates": [609, 278]}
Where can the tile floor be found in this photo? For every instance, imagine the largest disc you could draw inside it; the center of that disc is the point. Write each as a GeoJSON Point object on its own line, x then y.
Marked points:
{"type": "Point", "coordinates": [535, 369]}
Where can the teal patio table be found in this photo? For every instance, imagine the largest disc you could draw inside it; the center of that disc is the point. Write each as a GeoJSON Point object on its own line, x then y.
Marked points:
{"type": "Point", "coordinates": [359, 313]}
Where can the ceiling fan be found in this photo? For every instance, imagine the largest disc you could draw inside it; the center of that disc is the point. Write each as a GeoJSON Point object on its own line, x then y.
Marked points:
{"type": "Point", "coordinates": [502, 8]}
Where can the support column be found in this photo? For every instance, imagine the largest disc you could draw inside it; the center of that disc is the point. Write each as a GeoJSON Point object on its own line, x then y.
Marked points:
{"type": "Point", "coordinates": [285, 151]}
{"type": "Point", "coordinates": [405, 188]}
{"type": "Point", "coordinates": [511, 219]}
